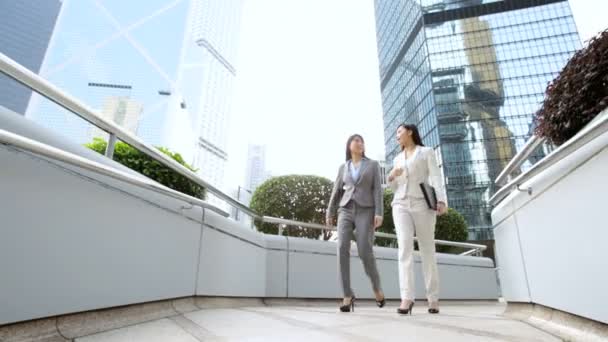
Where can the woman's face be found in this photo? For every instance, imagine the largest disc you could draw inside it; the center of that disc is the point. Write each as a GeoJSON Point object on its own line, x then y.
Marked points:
{"type": "Point", "coordinates": [403, 135]}
{"type": "Point", "coordinates": [357, 146]}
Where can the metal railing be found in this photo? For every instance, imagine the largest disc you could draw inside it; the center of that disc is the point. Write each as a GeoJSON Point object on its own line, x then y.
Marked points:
{"type": "Point", "coordinates": [514, 164]}
{"type": "Point", "coordinates": [38, 84]}
{"type": "Point", "coordinates": [24, 76]}
{"type": "Point", "coordinates": [29, 145]}
{"type": "Point", "coordinates": [473, 249]}
{"type": "Point", "coordinates": [598, 126]}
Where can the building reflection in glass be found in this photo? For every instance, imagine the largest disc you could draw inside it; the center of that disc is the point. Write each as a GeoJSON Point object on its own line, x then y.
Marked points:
{"type": "Point", "coordinates": [471, 74]}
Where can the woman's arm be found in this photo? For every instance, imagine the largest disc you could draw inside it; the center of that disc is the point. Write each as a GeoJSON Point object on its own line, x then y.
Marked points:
{"type": "Point", "coordinates": [435, 178]}
{"type": "Point", "coordinates": [392, 178]}
{"type": "Point", "coordinates": [334, 198]}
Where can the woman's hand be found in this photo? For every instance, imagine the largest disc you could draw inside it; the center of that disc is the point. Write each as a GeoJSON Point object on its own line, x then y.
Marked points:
{"type": "Point", "coordinates": [378, 221]}
{"type": "Point", "coordinates": [442, 208]}
{"type": "Point", "coordinates": [395, 172]}
{"type": "Point", "coordinates": [329, 221]}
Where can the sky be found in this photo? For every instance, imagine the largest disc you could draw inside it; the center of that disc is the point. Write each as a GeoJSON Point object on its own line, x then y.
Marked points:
{"type": "Point", "coordinates": [307, 78]}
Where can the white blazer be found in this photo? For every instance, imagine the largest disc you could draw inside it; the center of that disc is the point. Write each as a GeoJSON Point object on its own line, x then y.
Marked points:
{"type": "Point", "coordinates": [421, 169]}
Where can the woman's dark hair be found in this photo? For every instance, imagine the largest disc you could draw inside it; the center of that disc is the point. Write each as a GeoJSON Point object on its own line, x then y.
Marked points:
{"type": "Point", "coordinates": [350, 139]}
{"type": "Point", "coordinates": [415, 133]}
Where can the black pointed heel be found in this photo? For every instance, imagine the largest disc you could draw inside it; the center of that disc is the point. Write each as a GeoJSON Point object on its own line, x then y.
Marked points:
{"type": "Point", "coordinates": [432, 310]}
{"type": "Point", "coordinates": [348, 307]}
{"type": "Point", "coordinates": [381, 303]}
{"type": "Point", "coordinates": [406, 311]}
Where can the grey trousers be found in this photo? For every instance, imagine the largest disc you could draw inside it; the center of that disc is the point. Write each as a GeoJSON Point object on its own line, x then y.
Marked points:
{"type": "Point", "coordinates": [360, 221]}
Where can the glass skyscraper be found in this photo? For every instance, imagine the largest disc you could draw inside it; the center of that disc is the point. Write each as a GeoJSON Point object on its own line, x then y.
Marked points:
{"type": "Point", "coordinates": [471, 74]}
{"type": "Point", "coordinates": [25, 30]}
{"type": "Point", "coordinates": [170, 61]}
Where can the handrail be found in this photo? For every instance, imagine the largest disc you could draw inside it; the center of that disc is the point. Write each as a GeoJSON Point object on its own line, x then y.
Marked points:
{"type": "Point", "coordinates": [529, 147]}
{"type": "Point", "coordinates": [595, 128]}
{"type": "Point", "coordinates": [23, 143]}
{"type": "Point", "coordinates": [270, 219]}
{"type": "Point", "coordinates": [475, 248]}
{"type": "Point", "coordinates": [45, 88]}
{"type": "Point", "coordinates": [26, 77]}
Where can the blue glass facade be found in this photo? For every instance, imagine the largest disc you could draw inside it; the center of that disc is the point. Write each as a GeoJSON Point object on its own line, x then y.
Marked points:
{"type": "Point", "coordinates": [470, 74]}
{"type": "Point", "coordinates": [169, 62]}
{"type": "Point", "coordinates": [26, 27]}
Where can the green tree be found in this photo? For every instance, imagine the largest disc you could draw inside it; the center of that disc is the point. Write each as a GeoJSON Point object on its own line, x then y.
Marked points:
{"type": "Point", "coordinates": [138, 161]}
{"type": "Point", "coordinates": [299, 198]}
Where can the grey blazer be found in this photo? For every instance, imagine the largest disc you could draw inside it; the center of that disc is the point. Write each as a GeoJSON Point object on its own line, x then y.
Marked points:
{"type": "Point", "coordinates": [366, 192]}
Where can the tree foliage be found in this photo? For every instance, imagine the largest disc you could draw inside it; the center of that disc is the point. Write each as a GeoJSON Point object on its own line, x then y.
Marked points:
{"type": "Point", "coordinates": [388, 226]}
{"type": "Point", "coordinates": [296, 197]}
{"type": "Point", "coordinates": [451, 227]}
{"type": "Point", "coordinates": [577, 95]}
{"type": "Point", "coordinates": [138, 161]}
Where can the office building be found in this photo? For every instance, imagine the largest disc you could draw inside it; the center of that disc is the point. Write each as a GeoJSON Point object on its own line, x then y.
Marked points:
{"type": "Point", "coordinates": [256, 167]}
{"type": "Point", "coordinates": [121, 110]}
{"type": "Point", "coordinates": [174, 59]}
{"type": "Point", "coordinates": [26, 27]}
{"type": "Point", "coordinates": [471, 74]}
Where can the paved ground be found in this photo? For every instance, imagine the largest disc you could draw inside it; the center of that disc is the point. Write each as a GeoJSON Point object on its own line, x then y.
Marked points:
{"type": "Point", "coordinates": [458, 321]}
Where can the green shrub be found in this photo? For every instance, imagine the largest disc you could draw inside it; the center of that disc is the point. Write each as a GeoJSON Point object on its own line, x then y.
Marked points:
{"type": "Point", "coordinates": [577, 95]}
{"type": "Point", "coordinates": [299, 198]}
{"type": "Point", "coordinates": [388, 225]}
{"type": "Point", "coordinates": [451, 227]}
{"type": "Point", "coordinates": [137, 161]}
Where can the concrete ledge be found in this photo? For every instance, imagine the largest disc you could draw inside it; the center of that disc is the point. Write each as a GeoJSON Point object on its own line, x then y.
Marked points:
{"type": "Point", "coordinates": [43, 330]}
{"type": "Point", "coordinates": [562, 324]}
{"type": "Point", "coordinates": [88, 323]}
{"type": "Point", "coordinates": [69, 327]}
{"type": "Point", "coordinates": [227, 302]}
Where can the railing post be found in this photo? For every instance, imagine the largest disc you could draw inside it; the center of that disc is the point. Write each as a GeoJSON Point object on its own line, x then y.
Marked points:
{"type": "Point", "coordinates": [110, 147]}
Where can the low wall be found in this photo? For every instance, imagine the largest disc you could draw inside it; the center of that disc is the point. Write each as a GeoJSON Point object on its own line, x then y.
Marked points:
{"type": "Point", "coordinates": [74, 241]}
{"type": "Point", "coordinates": [550, 246]}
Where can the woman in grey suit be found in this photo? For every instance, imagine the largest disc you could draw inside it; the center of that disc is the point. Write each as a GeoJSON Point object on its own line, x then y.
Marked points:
{"type": "Point", "coordinates": [416, 164]}
{"type": "Point", "coordinates": [357, 200]}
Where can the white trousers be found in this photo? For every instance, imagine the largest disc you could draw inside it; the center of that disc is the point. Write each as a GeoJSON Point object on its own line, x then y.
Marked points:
{"type": "Point", "coordinates": [413, 215]}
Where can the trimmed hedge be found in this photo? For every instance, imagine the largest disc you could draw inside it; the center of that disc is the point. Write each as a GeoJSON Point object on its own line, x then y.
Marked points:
{"type": "Point", "coordinates": [135, 160]}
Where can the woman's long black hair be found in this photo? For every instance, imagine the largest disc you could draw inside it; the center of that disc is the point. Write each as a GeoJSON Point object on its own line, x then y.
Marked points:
{"type": "Point", "coordinates": [415, 133]}
{"type": "Point", "coordinates": [349, 155]}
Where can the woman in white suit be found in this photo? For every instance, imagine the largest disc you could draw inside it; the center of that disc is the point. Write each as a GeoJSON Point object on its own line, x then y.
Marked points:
{"type": "Point", "coordinates": [416, 164]}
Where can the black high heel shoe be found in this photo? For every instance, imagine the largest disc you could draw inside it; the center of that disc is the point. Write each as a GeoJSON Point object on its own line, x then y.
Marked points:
{"type": "Point", "coordinates": [348, 307]}
{"type": "Point", "coordinates": [406, 311]}
{"type": "Point", "coordinates": [381, 303]}
{"type": "Point", "coordinates": [433, 311]}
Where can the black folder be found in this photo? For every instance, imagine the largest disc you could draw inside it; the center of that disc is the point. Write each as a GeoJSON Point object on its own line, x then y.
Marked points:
{"type": "Point", "coordinates": [429, 195]}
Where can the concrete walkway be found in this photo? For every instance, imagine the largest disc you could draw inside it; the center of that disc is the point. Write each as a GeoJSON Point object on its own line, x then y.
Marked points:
{"type": "Point", "coordinates": [315, 322]}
